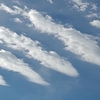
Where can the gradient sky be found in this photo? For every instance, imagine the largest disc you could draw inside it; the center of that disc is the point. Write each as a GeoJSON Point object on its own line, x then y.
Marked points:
{"type": "Point", "coordinates": [49, 50]}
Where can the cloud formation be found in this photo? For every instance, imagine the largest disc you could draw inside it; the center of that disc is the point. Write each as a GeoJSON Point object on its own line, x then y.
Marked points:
{"type": "Point", "coordinates": [50, 1]}
{"type": "Point", "coordinates": [17, 20]}
{"type": "Point", "coordinates": [92, 15]}
{"type": "Point", "coordinates": [2, 81]}
{"type": "Point", "coordinates": [94, 7]}
{"type": "Point", "coordinates": [17, 2]}
{"type": "Point", "coordinates": [95, 23]}
{"type": "Point", "coordinates": [80, 5]}
{"type": "Point", "coordinates": [11, 63]}
{"type": "Point", "coordinates": [78, 43]}
{"type": "Point", "coordinates": [49, 59]}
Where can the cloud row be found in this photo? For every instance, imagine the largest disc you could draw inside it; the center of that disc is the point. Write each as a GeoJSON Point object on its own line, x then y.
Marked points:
{"type": "Point", "coordinates": [78, 43]}
{"type": "Point", "coordinates": [11, 63]}
{"type": "Point", "coordinates": [80, 5]}
{"type": "Point", "coordinates": [91, 10]}
{"type": "Point", "coordinates": [48, 59]}
{"type": "Point", "coordinates": [75, 41]}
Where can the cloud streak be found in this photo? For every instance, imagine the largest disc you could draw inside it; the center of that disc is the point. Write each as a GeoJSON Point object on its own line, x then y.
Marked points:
{"type": "Point", "coordinates": [2, 81]}
{"type": "Point", "coordinates": [17, 20]}
{"type": "Point", "coordinates": [49, 59]}
{"type": "Point", "coordinates": [11, 63]}
{"type": "Point", "coordinates": [50, 1]}
{"type": "Point", "coordinates": [7, 9]}
{"type": "Point", "coordinates": [76, 42]}
{"type": "Point", "coordinates": [92, 15]}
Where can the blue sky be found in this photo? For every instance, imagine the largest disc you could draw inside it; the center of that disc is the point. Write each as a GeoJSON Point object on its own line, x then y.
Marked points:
{"type": "Point", "coordinates": [49, 50]}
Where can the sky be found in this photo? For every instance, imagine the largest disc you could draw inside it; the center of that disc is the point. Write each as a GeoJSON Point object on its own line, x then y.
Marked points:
{"type": "Point", "coordinates": [49, 50]}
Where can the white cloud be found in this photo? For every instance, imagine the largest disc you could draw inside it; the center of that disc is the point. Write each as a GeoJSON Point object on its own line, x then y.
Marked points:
{"type": "Point", "coordinates": [80, 5]}
{"type": "Point", "coordinates": [48, 59]}
{"type": "Point", "coordinates": [92, 15]}
{"type": "Point", "coordinates": [94, 7]}
{"type": "Point", "coordinates": [76, 42]}
{"type": "Point", "coordinates": [7, 9]}
{"type": "Point", "coordinates": [17, 20]}
{"type": "Point", "coordinates": [15, 1]}
{"type": "Point", "coordinates": [16, 10]}
{"type": "Point", "coordinates": [2, 81]}
{"type": "Point", "coordinates": [95, 23]}
{"type": "Point", "coordinates": [9, 62]}
{"type": "Point", "coordinates": [50, 1]}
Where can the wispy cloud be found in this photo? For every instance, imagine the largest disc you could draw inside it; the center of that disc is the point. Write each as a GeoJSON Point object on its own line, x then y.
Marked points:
{"type": "Point", "coordinates": [80, 44]}
{"type": "Point", "coordinates": [17, 20]}
{"type": "Point", "coordinates": [91, 9]}
{"type": "Point", "coordinates": [95, 23]}
{"type": "Point", "coordinates": [50, 1]}
{"type": "Point", "coordinates": [76, 42]}
{"type": "Point", "coordinates": [80, 5]}
{"type": "Point", "coordinates": [48, 59]}
{"type": "Point", "coordinates": [7, 9]}
{"type": "Point", "coordinates": [11, 63]}
{"type": "Point", "coordinates": [2, 81]}
{"type": "Point", "coordinates": [92, 15]}
{"type": "Point", "coordinates": [16, 1]}
{"type": "Point", "coordinates": [94, 6]}
{"type": "Point", "coordinates": [15, 10]}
